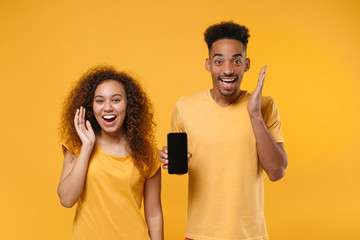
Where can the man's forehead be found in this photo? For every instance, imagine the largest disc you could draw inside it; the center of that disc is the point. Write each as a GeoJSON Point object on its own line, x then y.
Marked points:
{"type": "Point", "coordinates": [227, 46]}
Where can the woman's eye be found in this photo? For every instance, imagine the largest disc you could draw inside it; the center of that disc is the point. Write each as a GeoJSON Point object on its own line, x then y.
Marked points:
{"type": "Point", "coordinates": [99, 101]}
{"type": "Point", "coordinates": [116, 100]}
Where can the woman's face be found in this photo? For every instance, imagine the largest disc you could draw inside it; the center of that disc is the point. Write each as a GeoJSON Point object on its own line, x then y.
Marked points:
{"type": "Point", "coordinates": [109, 107]}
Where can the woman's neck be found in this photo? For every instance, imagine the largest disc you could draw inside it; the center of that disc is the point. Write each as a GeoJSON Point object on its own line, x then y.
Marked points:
{"type": "Point", "coordinates": [114, 145]}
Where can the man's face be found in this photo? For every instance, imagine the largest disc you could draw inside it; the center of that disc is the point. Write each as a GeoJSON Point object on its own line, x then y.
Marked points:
{"type": "Point", "coordinates": [227, 63]}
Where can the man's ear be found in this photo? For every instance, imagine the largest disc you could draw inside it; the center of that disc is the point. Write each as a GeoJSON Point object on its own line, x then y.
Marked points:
{"type": "Point", "coordinates": [247, 64]}
{"type": "Point", "coordinates": [207, 65]}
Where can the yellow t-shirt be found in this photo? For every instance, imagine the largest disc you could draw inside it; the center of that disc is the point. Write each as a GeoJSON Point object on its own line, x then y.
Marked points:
{"type": "Point", "coordinates": [226, 189]}
{"type": "Point", "coordinates": [109, 207]}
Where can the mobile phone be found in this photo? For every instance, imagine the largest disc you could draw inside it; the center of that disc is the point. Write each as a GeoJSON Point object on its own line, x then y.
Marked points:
{"type": "Point", "coordinates": [177, 153]}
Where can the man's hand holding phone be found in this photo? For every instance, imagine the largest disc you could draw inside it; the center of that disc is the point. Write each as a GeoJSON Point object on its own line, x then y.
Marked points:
{"type": "Point", "coordinates": [163, 157]}
{"type": "Point", "coordinates": [177, 150]}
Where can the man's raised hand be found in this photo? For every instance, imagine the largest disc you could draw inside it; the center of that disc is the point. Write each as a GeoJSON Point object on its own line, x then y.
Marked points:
{"type": "Point", "coordinates": [254, 105]}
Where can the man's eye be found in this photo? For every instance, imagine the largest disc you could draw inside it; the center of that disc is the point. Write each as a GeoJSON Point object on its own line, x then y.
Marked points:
{"type": "Point", "coordinates": [237, 62]}
{"type": "Point", "coordinates": [218, 62]}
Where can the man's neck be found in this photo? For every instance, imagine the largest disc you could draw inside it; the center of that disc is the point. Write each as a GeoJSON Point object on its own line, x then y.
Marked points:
{"type": "Point", "coordinates": [224, 101]}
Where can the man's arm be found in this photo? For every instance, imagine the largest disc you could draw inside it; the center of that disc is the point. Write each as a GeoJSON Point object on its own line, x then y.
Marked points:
{"type": "Point", "coordinates": [272, 155]}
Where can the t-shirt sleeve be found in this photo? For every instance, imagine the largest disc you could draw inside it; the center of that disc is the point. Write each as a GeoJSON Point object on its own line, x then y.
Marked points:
{"type": "Point", "coordinates": [271, 118]}
{"type": "Point", "coordinates": [176, 123]}
{"type": "Point", "coordinates": [157, 165]}
{"type": "Point", "coordinates": [66, 148]}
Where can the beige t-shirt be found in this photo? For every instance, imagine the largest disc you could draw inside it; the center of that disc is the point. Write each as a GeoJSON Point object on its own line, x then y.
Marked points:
{"type": "Point", "coordinates": [226, 189]}
{"type": "Point", "coordinates": [109, 207]}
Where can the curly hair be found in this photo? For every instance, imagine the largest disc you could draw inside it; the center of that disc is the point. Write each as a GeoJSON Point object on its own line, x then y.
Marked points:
{"type": "Point", "coordinates": [138, 124]}
{"type": "Point", "coordinates": [226, 30]}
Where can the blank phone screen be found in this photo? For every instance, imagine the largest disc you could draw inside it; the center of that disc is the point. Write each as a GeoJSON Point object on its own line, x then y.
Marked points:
{"type": "Point", "coordinates": [177, 153]}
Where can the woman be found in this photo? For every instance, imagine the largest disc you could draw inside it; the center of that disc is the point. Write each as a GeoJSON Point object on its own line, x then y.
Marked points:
{"type": "Point", "coordinates": [110, 159]}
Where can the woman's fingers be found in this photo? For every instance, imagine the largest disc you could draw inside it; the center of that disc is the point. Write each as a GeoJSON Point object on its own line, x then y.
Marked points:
{"type": "Point", "coordinates": [88, 126]}
{"type": "Point", "coordinates": [82, 116]}
{"type": "Point", "coordinates": [76, 119]}
{"type": "Point", "coordinates": [83, 127]}
{"type": "Point", "coordinates": [79, 119]}
{"type": "Point", "coordinates": [90, 130]}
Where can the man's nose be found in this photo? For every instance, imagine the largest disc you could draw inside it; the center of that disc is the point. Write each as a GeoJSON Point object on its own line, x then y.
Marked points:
{"type": "Point", "coordinates": [228, 69]}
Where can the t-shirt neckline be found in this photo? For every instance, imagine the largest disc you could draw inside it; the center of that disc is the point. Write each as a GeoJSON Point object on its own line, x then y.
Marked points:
{"type": "Point", "coordinates": [243, 93]}
{"type": "Point", "coordinates": [118, 159]}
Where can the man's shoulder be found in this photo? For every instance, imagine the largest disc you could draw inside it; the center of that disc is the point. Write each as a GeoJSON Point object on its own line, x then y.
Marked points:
{"type": "Point", "coordinates": [268, 106]}
{"type": "Point", "coordinates": [267, 101]}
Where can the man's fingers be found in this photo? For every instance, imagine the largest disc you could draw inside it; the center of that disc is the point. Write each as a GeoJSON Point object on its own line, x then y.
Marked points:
{"type": "Point", "coordinates": [189, 157]}
{"type": "Point", "coordinates": [163, 157]}
{"type": "Point", "coordinates": [165, 149]}
{"type": "Point", "coordinates": [262, 75]}
{"type": "Point", "coordinates": [162, 154]}
{"type": "Point", "coordinates": [163, 160]}
{"type": "Point", "coordinates": [261, 79]}
{"type": "Point", "coordinates": [263, 69]}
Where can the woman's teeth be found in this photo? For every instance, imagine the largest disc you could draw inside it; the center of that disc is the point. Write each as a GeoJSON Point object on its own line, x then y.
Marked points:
{"type": "Point", "coordinates": [109, 118]}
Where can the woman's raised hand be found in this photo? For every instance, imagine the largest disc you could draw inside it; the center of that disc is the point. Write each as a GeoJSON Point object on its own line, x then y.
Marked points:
{"type": "Point", "coordinates": [84, 129]}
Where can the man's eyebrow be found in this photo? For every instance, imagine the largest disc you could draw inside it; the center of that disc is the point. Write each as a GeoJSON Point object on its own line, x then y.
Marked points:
{"type": "Point", "coordinates": [218, 55]}
{"type": "Point", "coordinates": [237, 55]}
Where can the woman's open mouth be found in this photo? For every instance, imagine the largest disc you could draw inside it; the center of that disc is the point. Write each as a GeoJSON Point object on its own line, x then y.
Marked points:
{"type": "Point", "coordinates": [109, 119]}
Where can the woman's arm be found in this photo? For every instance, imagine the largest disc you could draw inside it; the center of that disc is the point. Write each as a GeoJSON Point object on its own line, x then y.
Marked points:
{"type": "Point", "coordinates": [74, 170]}
{"type": "Point", "coordinates": [73, 176]}
{"type": "Point", "coordinates": [152, 206]}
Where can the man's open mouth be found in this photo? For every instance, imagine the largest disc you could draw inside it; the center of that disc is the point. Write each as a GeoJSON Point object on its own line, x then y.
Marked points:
{"type": "Point", "coordinates": [228, 82]}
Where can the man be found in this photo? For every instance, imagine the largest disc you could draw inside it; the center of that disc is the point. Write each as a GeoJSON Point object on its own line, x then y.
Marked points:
{"type": "Point", "coordinates": [233, 136]}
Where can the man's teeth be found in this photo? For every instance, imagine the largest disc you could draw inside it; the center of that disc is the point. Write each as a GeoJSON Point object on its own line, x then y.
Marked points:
{"type": "Point", "coordinates": [227, 79]}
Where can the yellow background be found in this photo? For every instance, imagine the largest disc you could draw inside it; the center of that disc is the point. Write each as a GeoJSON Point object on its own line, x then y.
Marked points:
{"type": "Point", "coordinates": [312, 52]}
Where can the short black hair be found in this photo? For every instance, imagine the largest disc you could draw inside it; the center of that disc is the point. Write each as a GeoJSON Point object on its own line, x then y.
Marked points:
{"type": "Point", "coordinates": [226, 30]}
